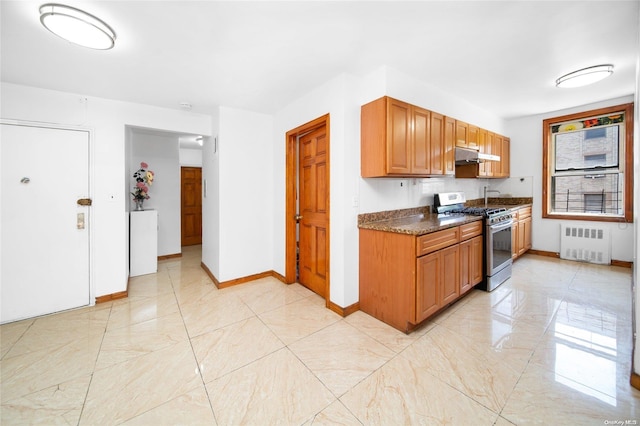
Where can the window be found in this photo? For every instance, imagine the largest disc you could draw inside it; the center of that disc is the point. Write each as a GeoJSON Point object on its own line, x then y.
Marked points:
{"type": "Point", "coordinates": [588, 165]}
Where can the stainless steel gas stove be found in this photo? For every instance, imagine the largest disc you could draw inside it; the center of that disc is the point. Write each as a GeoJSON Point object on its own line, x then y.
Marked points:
{"type": "Point", "coordinates": [497, 235]}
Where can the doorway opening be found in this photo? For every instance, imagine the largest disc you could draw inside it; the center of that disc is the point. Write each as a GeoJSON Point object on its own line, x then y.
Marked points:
{"type": "Point", "coordinates": [307, 206]}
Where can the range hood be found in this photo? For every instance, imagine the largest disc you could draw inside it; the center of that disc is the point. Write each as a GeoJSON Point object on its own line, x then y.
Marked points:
{"type": "Point", "coordinates": [471, 156]}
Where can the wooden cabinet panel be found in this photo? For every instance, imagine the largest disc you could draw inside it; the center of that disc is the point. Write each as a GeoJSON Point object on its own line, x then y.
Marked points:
{"type": "Point", "coordinates": [521, 232]}
{"type": "Point", "coordinates": [505, 157]}
{"type": "Point", "coordinates": [525, 231]}
{"type": "Point", "coordinates": [472, 137]}
{"type": "Point", "coordinates": [462, 134]}
{"type": "Point", "coordinates": [483, 168]}
{"type": "Point", "coordinates": [429, 243]}
{"type": "Point", "coordinates": [450, 280]}
{"type": "Point", "coordinates": [524, 212]}
{"type": "Point", "coordinates": [449, 146]}
{"type": "Point", "coordinates": [387, 277]}
{"type": "Point", "coordinates": [398, 137]}
{"type": "Point", "coordinates": [429, 275]}
{"type": "Point", "coordinates": [438, 149]}
{"type": "Point", "coordinates": [438, 281]}
{"type": "Point", "coordinates": [421, 143]}
{"type": "Point", "coordinates": [496, 149]}
{"type": "Point", "coordinates": [470, 263]}
{"type": "Point", "coordinates": [514, 239]}
{"type": "Point", "coordinates": [470, 230]}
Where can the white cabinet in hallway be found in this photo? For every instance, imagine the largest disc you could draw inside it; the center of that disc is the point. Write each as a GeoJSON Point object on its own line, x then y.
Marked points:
{"type": "Point", "coordinates": [143, 242]}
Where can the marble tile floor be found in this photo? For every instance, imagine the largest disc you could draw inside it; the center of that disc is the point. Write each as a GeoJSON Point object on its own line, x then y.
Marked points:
{"type": "Point", "coordinates": [550, 346]}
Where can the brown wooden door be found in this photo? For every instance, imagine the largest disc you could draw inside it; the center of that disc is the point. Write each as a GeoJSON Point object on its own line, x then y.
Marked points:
{"type": "Point", "coordinates": [191, 205]}
{"type": "Point", "coordinates": [313, 172]}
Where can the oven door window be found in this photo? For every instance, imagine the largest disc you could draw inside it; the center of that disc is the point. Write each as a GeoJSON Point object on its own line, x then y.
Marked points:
{"type": "Point", "coordinates": [501, 251]}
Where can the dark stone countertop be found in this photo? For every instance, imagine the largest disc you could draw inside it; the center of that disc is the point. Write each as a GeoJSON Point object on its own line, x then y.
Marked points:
{"type": "Point", "coordinates": [421, 220]}
{"type": "Point", "coordinates": [419, 223]}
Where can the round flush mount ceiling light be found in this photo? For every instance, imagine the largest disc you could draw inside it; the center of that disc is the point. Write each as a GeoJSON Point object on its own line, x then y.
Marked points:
{"type": "Point", "coordinates": [77, 26]}
{"type": "Point", "coordinates": [585, 76]}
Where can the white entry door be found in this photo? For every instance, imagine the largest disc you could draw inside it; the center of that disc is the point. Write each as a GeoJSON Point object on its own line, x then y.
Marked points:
{"type": "Point", "coordinates": [44, 253]}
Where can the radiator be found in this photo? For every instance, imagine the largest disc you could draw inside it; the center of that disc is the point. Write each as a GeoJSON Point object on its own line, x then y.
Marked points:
{"type": "Point", "coordinates": [585, 243]}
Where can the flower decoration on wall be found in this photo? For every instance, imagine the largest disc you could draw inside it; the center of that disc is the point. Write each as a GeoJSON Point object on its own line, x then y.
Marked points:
{"type": "Point", "coordinates": [144, 179]}
{"type": "Point", "coordinates": [585, 124]}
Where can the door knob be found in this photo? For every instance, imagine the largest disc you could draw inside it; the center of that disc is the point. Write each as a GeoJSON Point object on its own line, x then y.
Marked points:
{"type": "Point", "coordinates": [298, 217]}
{"type": "Point", "coordinates": [84, 202]}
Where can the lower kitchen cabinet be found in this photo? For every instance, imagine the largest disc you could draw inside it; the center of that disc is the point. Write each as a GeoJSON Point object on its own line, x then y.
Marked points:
{"type": "Point", "coordinates": [521, 232]}
{"type": "Point", "coordinates": [437, 281]}
{"type": "Point", "coordinates": [470, 263]}
{"type": "Point", "coordinates": [405, 279]}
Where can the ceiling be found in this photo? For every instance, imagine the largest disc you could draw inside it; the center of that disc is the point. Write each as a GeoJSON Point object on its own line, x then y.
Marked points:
{"type": "Point", "coordinates": [502, 56]}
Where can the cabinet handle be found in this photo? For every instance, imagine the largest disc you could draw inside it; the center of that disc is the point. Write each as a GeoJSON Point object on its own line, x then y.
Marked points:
{"type": "Point", "coordinates": [298, 217]}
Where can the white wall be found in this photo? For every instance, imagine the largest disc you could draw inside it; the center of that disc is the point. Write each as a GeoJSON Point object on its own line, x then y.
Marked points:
{"type": "Point", "coordinates": [190, 157]}
{"type": "Point", "coordinates": [337, 98]}
{"type": "Point", "coordinates": [350, 194]}
{"type": "Point", "coordinates": [160, 152]}
{"type": "Point", "coordinates": [211, 200]}
{"type": "Point", "coordinates": [526, 153]}
{"type": "Point", "coordinates": [245, 195]}
{"type": "Point", "coordinates": [107, 120]}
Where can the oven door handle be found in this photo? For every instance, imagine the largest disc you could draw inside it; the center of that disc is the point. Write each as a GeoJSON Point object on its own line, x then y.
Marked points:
{"type": "Point", "coordinates": [500, 227]}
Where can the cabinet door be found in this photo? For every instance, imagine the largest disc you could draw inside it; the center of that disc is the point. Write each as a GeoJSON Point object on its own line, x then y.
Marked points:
{"type": "Point", "coordinates": [525, 229]}
{"type": "Point", "coordinates": [465, 266]}
{"type": "Point", "coordinates": [505, 161]}
{"type": "Point", "coordinates": [437, 144]}
{"type": "Point", "coordinates": [450, 274]}
{"type": "Point", "coordinates": [449, 146]}
{"type": "Point", "coordinates": [429, 275]}
{"type": "Point", "coordinates": [472, 137]}
{"type": "Point", "coordinates": [489, 166]}
{"type": "Point", "coordinates": [497, 150]}
{"type": "Point", "coordinates": [521, 239]}
{"type": "Point", "coordinates": [483, 168]}
{"type": "Point", "coordinates": [476, 259]}
{"type": "Point", "coordinates": [398, 137]}
{"type": "Point", "coordinates": [420, 141]}
{"type": "Point", "coordinates": [471, 272]}
{"type": "Point", "coordinates": [514, 240]}
{"type": "Point", "coordinates": [462, 134]}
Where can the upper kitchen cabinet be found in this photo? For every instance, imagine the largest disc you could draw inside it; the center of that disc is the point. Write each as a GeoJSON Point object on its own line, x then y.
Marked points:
{"type": "Point", "coordinates": [466, 135]}
{"type": "Point", "coordinates": [489, 143]}
{"type": "Point", "coordinates": [399, 139]}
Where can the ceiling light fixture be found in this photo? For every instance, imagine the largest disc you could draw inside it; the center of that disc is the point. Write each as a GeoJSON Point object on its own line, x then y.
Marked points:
{"type": "Point", "coordinates": [585, 76]}
{"type": "Point", "coordinates": [77, 26]}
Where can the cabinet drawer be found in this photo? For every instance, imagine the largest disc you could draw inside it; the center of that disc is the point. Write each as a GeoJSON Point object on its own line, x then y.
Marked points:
{"type": "Point", "coordinates": [437, 240]}
{"type": "Point", "coordinates": [524, 213]}
{"type": "Point", "coordinates": [470, 230]}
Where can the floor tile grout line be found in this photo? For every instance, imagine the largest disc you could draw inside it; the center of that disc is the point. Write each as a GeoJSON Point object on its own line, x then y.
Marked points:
{"type": "Point", "coordinates": [193, 351]}
{"type": "Point", "coordinates": [95, 364]}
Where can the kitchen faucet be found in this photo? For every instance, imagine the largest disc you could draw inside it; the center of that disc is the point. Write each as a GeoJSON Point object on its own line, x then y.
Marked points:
{"type": "Point", "coordinates": [486, 191]}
